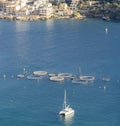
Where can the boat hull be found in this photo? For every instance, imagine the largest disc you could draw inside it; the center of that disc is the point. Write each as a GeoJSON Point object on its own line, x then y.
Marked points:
{"type": "Point", "coordinates": [66, 113]}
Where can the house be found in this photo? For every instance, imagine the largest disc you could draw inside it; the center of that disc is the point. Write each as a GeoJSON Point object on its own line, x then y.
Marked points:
{"type": "Point", "coordinates": [46, 10]}
{"type": "Point", "coordinates": [10, 8]}
{"type": "Point", "coordinates": [92, 3]}
{"type": "Point", "coordinates": [73, 5]}
{"type": "Point", "coordinates": [3, 5]}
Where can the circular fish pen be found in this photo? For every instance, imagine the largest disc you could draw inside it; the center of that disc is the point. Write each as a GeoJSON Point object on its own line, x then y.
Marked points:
{"type": "Point", "coordinates": [87, 78]}
{"type": "Point", "coordinates": [78, 81]}
{"type": "Point", "coordinates": [32, 77]}
{"type": "Point", "coordinates": [20, 76]}
{"type": "Point", "coordinates": [39, 73]}
{"type": "Point", "coordinates": [65, 75]}
{"type": "Point", "coordinates": [52, 74]}
{"type": "Point", "coordinates": [57, 78]}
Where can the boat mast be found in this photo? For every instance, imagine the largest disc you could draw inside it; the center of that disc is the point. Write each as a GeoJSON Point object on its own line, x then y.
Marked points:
{"type": "Point", "coordinates": [79, 71]}
{"type": "Point", "coordinates": [64, 104]}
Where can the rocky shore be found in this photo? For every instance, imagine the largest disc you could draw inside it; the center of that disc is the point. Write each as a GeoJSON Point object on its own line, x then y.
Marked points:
{"type": "Point", "coordinates": [38, 17]}
{"type": "Point", "coordinates": [105, 14]}
{"type": "Point", "coordinates": [101, 14]}
{"type": "Point", "coordinates": [23, 17]}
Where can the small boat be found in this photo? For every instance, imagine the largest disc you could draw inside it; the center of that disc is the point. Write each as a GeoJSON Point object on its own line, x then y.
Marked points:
{"type": "Point", "coordinates": [106, 18]}
{"type": "Point", "coordinates": [67, 110]}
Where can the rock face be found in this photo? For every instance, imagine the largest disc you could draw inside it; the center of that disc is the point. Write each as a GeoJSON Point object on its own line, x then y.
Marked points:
{"type": "Point", "coordinates": [105, 13]}
{"type": "Point", "coordinates": [24, 17]}
{"type": "Point", "coordinates": [9, 17]}
{"type": "Point", "coordinates": [31, 18]}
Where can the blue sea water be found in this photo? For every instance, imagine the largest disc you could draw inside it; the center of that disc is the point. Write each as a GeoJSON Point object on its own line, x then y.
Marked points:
{"type": "Point", "coordinates": [59, 46]}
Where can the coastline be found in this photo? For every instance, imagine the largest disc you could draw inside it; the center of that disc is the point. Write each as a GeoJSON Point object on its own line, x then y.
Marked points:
{"type": "Point", "coordinates": [36, 11]}
{"type": "Point", "coordinates": [105, 14]}
{"type": "Point", "coordinates": [37, 17]}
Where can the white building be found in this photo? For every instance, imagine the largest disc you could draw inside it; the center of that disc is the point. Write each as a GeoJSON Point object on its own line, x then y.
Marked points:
{"type": "Point", "coordinates": [73, 5]}
{"type": "Point", "coordinates": [46, 10]}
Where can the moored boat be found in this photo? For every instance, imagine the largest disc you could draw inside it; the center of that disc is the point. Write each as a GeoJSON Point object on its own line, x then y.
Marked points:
{"type": "Point", "coordinates": [67, 110]}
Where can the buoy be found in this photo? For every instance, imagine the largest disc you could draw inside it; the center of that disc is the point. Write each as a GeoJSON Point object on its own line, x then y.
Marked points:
{"type": "Point", "coordinates": [104, 87]}
{"type": "Point", "coordinates": [24, 69]}
{"type": "Point", "coordinates": [4, 76]}
{"type": "Point", "coordinates": [106, 30]}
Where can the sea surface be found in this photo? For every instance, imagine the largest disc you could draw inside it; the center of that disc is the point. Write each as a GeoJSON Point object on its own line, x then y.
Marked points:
{"type": "Point", "coordinates": [80, 47]}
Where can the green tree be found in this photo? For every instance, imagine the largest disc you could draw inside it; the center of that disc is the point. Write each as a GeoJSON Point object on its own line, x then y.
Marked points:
{"type": "Point", "coordinates": [55, 2]}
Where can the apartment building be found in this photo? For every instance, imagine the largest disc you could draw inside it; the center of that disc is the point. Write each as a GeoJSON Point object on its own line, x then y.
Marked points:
{"type": "Point", "coordinates": [46, 11]}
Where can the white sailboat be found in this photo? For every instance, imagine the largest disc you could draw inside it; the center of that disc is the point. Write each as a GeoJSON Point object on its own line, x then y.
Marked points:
{"type": "Point", "coordinates": [67, 110]}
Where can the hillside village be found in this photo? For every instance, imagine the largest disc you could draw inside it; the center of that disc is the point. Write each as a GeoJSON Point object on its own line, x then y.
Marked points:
{"type": "Point", "coordinates": [46, 9]}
